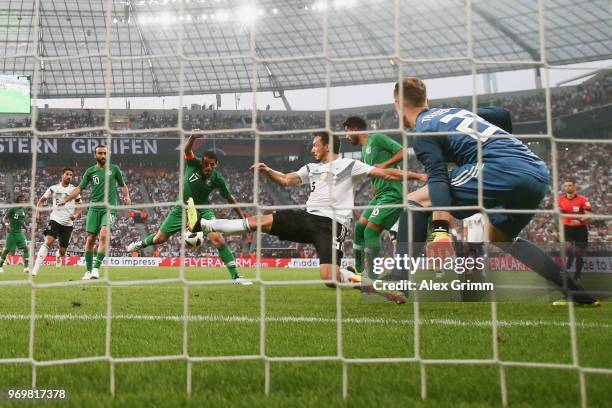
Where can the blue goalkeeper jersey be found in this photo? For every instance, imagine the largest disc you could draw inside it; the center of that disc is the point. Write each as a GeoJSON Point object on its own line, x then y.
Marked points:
{"type": "Point", "coordinates": [463, 148]}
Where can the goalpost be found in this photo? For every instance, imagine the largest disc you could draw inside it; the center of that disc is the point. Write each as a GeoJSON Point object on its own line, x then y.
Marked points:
{"type": "Point", "coordinates": [495, 359]}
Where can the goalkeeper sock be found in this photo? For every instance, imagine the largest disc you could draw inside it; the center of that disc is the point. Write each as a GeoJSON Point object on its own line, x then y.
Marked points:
{"type": "Point", "coordinates": [88, 260]}
{"type": "Point", "coordinates": [99, 259]}
{"type": "Point", "coordinates": [40, 258]}
{"type": "Point", "coordinates": [358, 246]}
{"type": "Point", "coordinates": [148, 241]}
{"type": "Point", "coordinates": [539, 261]}
{"type": "Point", "coordinates": [228, 259]}
{"type": "Point", "coordinates": [372, 250]}
{"type": "Point", "coordinates": [3, 257]}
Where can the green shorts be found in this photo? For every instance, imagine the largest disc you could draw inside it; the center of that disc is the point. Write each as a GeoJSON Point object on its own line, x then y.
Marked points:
{"type": "Point", "coordinates": [97, 218]}
{"type": "Point", "coordinates": [174, 222]}
{"type": "Point", "coordinates": [385, 217]}
{"type": "Point", "coordinates": [15, 240]}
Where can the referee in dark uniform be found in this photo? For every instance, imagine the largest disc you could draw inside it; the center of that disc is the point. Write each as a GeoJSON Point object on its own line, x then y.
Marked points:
{"type": "Point", "coordinates": [576, 231]}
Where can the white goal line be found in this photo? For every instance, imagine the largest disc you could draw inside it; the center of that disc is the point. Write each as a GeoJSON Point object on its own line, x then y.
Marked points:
{"type": "Point", "coordinates": [304, 319]}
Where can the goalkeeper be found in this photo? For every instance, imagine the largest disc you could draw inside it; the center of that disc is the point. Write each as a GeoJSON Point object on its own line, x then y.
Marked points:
{"type": "Point", "coordinates": [201, 178]}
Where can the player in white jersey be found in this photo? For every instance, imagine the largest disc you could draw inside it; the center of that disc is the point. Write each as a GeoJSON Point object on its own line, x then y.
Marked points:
{"type": "Point", "coordinates": [61, 220]}
{"type": "Point", "coordinates": [332, 183]}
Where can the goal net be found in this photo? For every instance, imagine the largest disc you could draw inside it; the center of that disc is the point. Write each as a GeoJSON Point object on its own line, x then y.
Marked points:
{"type": "Point", "coordinates": [147, 143]}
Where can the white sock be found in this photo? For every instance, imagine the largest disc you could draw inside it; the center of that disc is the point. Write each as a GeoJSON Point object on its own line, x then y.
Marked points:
{"type": "Point", "coordinates": [345, 275]}
{"type": "Point", "coordinates": [40, 258]}
{"type": "Point", "coordinates": [236, 227]}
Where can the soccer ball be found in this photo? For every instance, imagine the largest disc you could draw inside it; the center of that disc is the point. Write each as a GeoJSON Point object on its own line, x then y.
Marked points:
{"type": "Point", "coordinates": [193, 239]}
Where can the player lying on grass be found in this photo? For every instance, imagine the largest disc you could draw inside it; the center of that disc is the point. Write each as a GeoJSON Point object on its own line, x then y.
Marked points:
{"type": "Point", "coordinates": [200, 180]}
{"type": "Point", "coordinates": [61, 220]}
{"type": "Point", "coordinates": [513, 178]}
{"type": "Point", "coordinates": [332, 183]}
{"type": "Point", "coordinates": [15, 238]}
{"type": "Point", "coordinates": [99, 220]}
{"type": "Point", "coordinates": [378, 150]}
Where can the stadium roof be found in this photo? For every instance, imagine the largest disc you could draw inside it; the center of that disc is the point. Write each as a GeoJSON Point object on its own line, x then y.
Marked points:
{"type": "Point", "coordinates": [217, 47]}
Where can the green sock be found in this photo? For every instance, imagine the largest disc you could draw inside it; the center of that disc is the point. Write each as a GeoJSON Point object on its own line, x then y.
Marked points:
{"type": "Point", "coordinates": [228, 259]}
{"type": "Point", "coordinates": [26, 258]}
{"type": "Point", "coordinates": [88, 260]}
{"type": "Point", "coordinates": [358, 247]}
{"type": "Point", "coordinates": [99, 259]}
{"type": "Point", "coordinates": [372, 249]}
{"type": "Point", "coordinates": [3, 257]}
{"type": "Point", "coordinates": [148, 240]}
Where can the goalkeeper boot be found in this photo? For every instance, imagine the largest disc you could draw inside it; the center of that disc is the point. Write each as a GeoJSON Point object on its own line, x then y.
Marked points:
{"type": "Point", "coordinates": [87, 276]}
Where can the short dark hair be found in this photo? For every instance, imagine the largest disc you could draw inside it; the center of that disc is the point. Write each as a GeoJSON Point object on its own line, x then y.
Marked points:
{"type": "Point", "coordinates": [65, 169]}
{"type": "Point", "coordinates": [355, 123]}
{"type": "Point", "coordinates": [209, 154]}
{"type": "Point", "coordinates": [325, 136]}
{"type": "Point", "coordinates": [20, 195]}
{"type": "Point", "coordinates": [569, 180]}
{"type": "Point", "coordinates": [99, 147]}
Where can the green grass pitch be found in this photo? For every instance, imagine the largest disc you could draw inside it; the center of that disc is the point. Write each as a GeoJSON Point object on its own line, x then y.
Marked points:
{"type": "Point", "coordinates": [224, 321]}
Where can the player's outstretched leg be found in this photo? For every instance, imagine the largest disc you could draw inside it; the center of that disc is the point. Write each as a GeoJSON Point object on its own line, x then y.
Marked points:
{"type": "Point", "coordinates": [227, 257]}
{"type": "Point", "coordinates": [196, 223]}
{"type": "Point", "coordinates": [157, 238]}
{"type": "Point", "coordinates": [538, 261]}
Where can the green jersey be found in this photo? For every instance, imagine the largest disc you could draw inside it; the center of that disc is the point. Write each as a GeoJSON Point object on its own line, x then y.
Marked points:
{"type": "Point", "coordinates": [198, 186]}
{"type": "Point", "coordinates": [16, 217]}
{"type": "Point", "coordinates": [95, 176]}
{"type": "Point", "coordinates": [378, 149]}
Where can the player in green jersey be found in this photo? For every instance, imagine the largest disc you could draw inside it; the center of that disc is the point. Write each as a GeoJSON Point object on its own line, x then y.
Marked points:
{"type": "Point", "coordinates": [201, 178]}
{"type": "Point", "coordinates": [377, 150]}
{"type": "Point", "coordinates": [99, 219]}
{"type": "Point", "coordinates": [16, 238]}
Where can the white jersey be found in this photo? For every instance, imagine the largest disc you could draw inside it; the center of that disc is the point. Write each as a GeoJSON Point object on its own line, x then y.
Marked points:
{"type": "Point", "coordinates": [332, 187]}
{"type": "Point", "coordinates": [57, 193]}
{"type": "Point", "coordinates": [475, 225]}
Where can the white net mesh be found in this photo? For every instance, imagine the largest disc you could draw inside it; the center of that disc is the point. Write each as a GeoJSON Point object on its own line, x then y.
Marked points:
{"type": "Point", "coordinates": [404, 67]}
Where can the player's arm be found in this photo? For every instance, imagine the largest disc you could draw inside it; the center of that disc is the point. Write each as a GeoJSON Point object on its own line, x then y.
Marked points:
{"type": "Point", "coordinates": [396, 158]}
{"type": "Point", "coordinates": [237, 210]}
{"type": "Point", "coordinates": [221, 184]}
{"type": "Point", "coordinates": [124, 188]}
{"type": "Point", "coordinates": [429, 152]}
{"type": "Point", "coordinates": [282, 179]}
{"type": "Point", "coordinates": [41, 203]}
{"type": "Point", "coordinates": [188, 149]}
{"type": "Point", "coordinates": [396, 174]}
{"type": "Point", "coordinates": [77, 211]}
{"type": "Point", "coordinates": [72, 195]}
{"type": "Point", "coordinates": [384, 142]}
